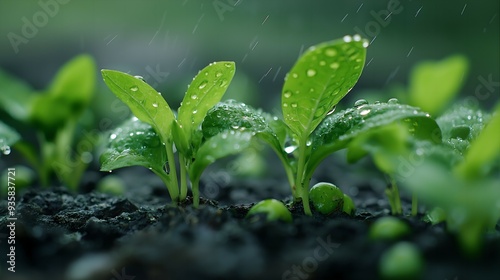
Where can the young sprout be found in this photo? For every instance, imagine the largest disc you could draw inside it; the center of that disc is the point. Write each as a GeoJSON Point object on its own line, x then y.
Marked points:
{"type": "Point", "coordinates": [326, 198]}
{"type": "Point", "coordinates": [388, 228]}
{"type": "Point", "coordinates": [349, 207]}
{"type": "Point", "coordinates": [402, 261]}
{"type": "Point", "coordinates": [274, 210]}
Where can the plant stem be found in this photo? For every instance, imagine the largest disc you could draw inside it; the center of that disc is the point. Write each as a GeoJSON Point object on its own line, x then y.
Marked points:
{"type": "Point", "coordinates": [414, 205]}
{"type": "Point", "coordinates": [173, 187]}
{"type": "Point", "coordinates": [300, 184]}
{"type": "Point", "coordinates": [182, 163]}
{"type": "Point", "coordinates": [395, 197]}
{"type": "Point", "coordinates": [196, 192]}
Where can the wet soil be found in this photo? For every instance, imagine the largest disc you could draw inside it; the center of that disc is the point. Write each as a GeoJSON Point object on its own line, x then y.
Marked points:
{"type": "Point", "coordinates": [62, 235]}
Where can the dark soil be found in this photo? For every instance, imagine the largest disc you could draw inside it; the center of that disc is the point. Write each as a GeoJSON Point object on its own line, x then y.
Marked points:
{"type": "Point", "coordinates": [95, 236]}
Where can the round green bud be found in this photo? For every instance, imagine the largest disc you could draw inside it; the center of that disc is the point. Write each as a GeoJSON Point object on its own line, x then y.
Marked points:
{"type": "Point", "coordinates": [111, 184]}
{"type": "Point", "coordinates": [388, 228]}
{"type": "Point", "coordinates": [349, 207]}
{"type": "Point", "coordinates": [401, 261]}
{"type": "Point", "coordinates": [274, 209]}
{"type": "Point", "coordinates": [326, 198]}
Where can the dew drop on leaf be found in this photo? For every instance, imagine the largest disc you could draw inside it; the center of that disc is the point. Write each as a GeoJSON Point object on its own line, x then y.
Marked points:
{"type": "Point", "coordinates": [6, 150]}
{"type": "Point", "coordinates": [347, 38]}
{"type": "Point", "coordinates": [295, 75]}
{"type": "Point", "coordinates": [365, 43]}
{"type": "Point", "coordinates": [139, 78]}
{"type": "Point", "coordinates": [330, 52]}
{"type": "Point", "coordinates": [194, 96]}
{"type": "Point", "coordinates": [155, 105]}
{"type": "Point", "coordinates": [331, 111]}
{"type": "Point", "coordinates": [287, 94]}
{"type": "Point", "coordinates": [311, 73]}
{"type": "Point", "coordinates": [223, 83]}
{"type": "Point", "coordinates": [334, 65]}
{"type": "Point", "coordinates": [218, 74]}
{"type": "Point", "coordinates": [228, 65]}
{"type": "Point", "coordinates": [285, 104]}
{"type": "Point", "coordinates": [294, 105]}
{"type": "Point", "coordinates": [195, 111]}
{"type": "Point", "coordinates": [322, 63]}
{"type": "Point", "coordinates": [364, 112]}
{"type": "Point", "coordinates": [393, 101]}
{"type": "Point", "coordinates": [203, 85]}
{"type": "Point", "coordinates": [360, 103]}
{"type": "Point", "coordinates": [134, 88]}
{"type": "Point", "coordinates": [112, 136]}
{"type": "Point", "coordinates": [357, 37]}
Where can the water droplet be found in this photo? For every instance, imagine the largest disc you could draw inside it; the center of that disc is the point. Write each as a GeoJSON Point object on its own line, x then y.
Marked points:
{"type": "Point", "coordinates": [357, 37]}
{"type": "Point", "coordinates": [134, 88]}
{"type": "Point", "coordinates": [376, 102]}
{"type": "Point", "coordinates": [365, 43]}
{"type": "Point", "coordinates": [322, 63]}
{"type": "Point", "coordinates": [295, 75]}
{"type": "Point", "coordinates": [330, 52]}
{"type": "Point", "coordinates": [393, 101]}
{"type": "Point", "coordinates": [223, 83]}
{"type": "Point", "coordinates": [360, 103]}
{"type": "Point", "coordinates": [364, 112]}
{"type": "Point", "coordinates": [112, 136]}
{"type": "Point", "coordinates": [347, 38]}
{"type": "Point", "coordinates": [110, 171]}
{"type": "Point", "coordinates": [294, 105]}
{"type": "Point", "coordinates": [290, 149]}
{"type": "Point", "coordinates": [140, 78]}
{"type": "Point", "coordinates": [155, 105]}
{"type": "Point", "coordinates": [203, 85]}
{"type": "Point", "coordinates": [194, 96]}
{"type": "Point", "coordinates": [218, 74]}
{"type": "Point", "coordinates": [6, 150]}
{"type": "Point", "coordinates": [227, 65]}
{"type": "Point", "coordinates": [311, 73]}
{"type": "Point", "coordinates": [287, 94]}
{"type": "Point", "coordinates": [334, 65]}
{"type": "Point", "coordinates": [308, 143]}
{"type": "Point", "coordinates": [331, 111]}
{"type": "Point", "coordinates": [285, 104]}
{"type": "Point", "coordinates": [195, 111]}
{"type": "Point", "coordinates": [235, 126]}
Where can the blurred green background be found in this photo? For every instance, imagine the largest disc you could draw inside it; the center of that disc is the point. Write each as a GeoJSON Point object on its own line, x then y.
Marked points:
{"type": "Point", "coordinates": [167, 42]}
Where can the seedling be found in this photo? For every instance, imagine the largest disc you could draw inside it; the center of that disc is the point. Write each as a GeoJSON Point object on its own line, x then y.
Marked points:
{"type": "Point", "coordinates": [148, 138]}
{"type": "Point", "coordinates": [274, 210]}
{"type": "Point", "coordinates": [401, 261]}
{"type": "Point", "coordinates": [388, 228]}
{"type": "Point", "coordinates": [310, 130]}
{"type": "Point", "coordinates": [55, 115]}
{"type": "Point", "coordinates": [349, 208]}
{"type": "Point", "coordinates": [326, 198]}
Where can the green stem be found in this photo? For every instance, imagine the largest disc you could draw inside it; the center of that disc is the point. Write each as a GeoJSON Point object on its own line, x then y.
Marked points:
{"type": "Point", "coordinates": [301, 185]}
{"type": "Point", "coordinates": [388, 193]}
{"type": "Point", "coordinates": [414, 205]}
{"type": "Point", "coordinates": [173, 187]}
{"type": "Point", "coordinates": [395, 197]}
{"type": "Point", "coordinates": [195, 184]}
{"type": "Point", "coordinates": [182, 163]}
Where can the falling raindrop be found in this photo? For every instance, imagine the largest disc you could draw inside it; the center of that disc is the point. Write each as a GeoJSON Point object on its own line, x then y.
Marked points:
{"type": "Point", "coordinates": [393, 101]}
{"type": "Point", "coordinates": [360, 102]}
{"type": "Point", "coordinates": [134, 88]}
{"type": "Point", "coordinates": [311, 73]}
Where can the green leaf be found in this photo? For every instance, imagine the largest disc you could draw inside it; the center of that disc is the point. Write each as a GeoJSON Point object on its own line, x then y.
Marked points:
{"type": "Point", "coordinates": [434, 83]}
{"type": "Point", "coordinates": [203, 93]}
{"type": "Point", "coordinates": [461, 124]}
{"type": "Point", "coordinates": [338, 130]}
{"type": "Point", "coordinates": [233, 115]}
{"type": "Point", "coordinates": [227, 143]}
{"type": "Point", "coordinates": [15, 97]}
{"type": "Point", "coordinates": [67, 97]}
{"type": "Point", "coordinates": [134, 143]}
{"type": "Point", "coordinates": [321, 77]}
{"type": "Point", "coordinates": [8, 137]}
{"type": "Point", "coordinates": [144, 101]}
{"type": "Point", "coordinates": [483, 150]}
